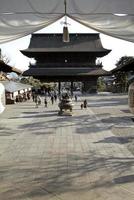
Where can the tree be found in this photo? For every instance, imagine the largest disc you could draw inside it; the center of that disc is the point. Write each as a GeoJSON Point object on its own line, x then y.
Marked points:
{"type": "Point", "coordinates": [37, 84]}
{"type": "Point", "coordinates": [32, 81]}
{"type": "Point", "coordinates": [121, 81]}
{"type": "Point", "coordinates": [101, 86]}
{"type": "Point", "coordinates": [124, 60]}
{"type": "Point", "coordinates": [121, 77]}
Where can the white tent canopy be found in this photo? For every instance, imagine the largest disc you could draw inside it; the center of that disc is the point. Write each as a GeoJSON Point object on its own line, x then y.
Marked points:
{"type": "Point", "coordinates": [19, 18]}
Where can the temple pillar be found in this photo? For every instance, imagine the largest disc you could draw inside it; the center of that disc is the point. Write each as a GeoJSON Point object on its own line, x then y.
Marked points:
{"type": "Point", "coordinates": [59, 87]}
{"type": "Point", "coordinates": [90, 86]}
{"type": "Point", "coordinates": [71, 88]}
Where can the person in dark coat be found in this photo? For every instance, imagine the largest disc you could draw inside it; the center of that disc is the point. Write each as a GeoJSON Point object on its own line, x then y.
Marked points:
{"type": "Point", "coordinates": [81, 106]}
{"type": "Point", "coordinates": [45, 102]}
{"type": "Point", "coordinates": [85, 103]}
{"type": "Point", "coordinates": [52, 99]}
{"type": "Point", "coordinates": [75, 98]}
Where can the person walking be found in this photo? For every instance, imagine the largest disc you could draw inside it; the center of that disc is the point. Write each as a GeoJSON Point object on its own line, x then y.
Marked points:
{"type": "Point", "coordinates": [45, 102]}
{"type": "Point", "coordinates": [81, 106]}
{"type": "Point", "coordinates": [76, 98]}
{"type": "Point", "coordinates": [52, 99]}
{"type": "Point", "coordinates": [36, 101]}
{"type": "Point", "coordinates": [39, 100]}
{"type": "Point", "coordinates": [55, 97]}
{"type": "Point", "coordinates": [85, 103]}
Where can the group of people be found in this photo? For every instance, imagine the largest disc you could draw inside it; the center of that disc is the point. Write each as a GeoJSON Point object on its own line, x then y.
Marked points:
{"type": "Point", "coordinates": [84, 104]}
{"type": "Point", "coordinates": [23, 97]}
{"type": "Point", "coordinates": [38, 100]}
{"type": "Point", "coordinates": [53, 98]}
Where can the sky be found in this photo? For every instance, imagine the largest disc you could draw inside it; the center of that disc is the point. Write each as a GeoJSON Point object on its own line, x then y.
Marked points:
{"type": "Point", "coordinates": [119, 47]}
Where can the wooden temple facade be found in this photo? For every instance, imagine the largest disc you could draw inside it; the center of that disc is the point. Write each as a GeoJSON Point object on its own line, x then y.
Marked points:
{"type": "Point", "coordinates": [57, 61]}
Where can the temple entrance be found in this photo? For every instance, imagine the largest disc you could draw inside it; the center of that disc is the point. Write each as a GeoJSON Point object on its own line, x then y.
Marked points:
{"type": "Point", "coordinates": [69, 87]}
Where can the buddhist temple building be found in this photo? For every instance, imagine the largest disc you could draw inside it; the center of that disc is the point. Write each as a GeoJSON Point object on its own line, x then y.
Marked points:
{"type": "Point", "coordinates": [58, 61]}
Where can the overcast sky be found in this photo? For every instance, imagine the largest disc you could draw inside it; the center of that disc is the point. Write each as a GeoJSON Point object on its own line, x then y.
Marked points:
{"type": "Point", "coordinates": [119, 47]}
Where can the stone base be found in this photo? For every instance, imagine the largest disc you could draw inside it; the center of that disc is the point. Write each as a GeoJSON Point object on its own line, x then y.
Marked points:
{"type": "Point", "coordinates": [65, 113]}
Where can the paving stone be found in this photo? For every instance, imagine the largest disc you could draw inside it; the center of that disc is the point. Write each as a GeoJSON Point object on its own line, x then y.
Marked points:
{"type": "Point", "coordinates": [47, 156]}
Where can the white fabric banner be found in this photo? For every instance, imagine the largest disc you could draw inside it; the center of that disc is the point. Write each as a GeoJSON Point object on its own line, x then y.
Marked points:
{"type": "Point", "coordinates": [19, 18]}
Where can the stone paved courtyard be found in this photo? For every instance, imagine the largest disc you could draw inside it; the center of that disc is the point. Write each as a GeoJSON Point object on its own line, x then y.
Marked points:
{"type": "Point", "coordinates": [88, 156]}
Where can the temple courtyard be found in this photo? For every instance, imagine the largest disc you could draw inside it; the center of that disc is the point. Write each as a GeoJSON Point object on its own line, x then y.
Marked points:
{"type": "Point", "coordinates": [86, 156]}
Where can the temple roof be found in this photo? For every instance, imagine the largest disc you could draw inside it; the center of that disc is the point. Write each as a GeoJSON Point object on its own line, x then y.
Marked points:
{"type": "Point", "coordinates": [52, 72]}
{"type": "Point", "coordinates": [83, 42]}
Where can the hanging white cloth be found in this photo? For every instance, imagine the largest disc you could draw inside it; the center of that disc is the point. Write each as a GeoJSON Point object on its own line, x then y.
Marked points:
{"type": "Point", "coordinates": [19, 18]}
{"type": "Point", "coordinates": [22, 17]}
{"type": "Point", "coordinates": [121, 27]}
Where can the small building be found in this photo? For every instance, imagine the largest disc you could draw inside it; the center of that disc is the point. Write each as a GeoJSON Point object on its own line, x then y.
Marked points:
{"type": "Point", "coordinates": [9, 90]}
{"type": "Point", "coordinates": [15, 91]}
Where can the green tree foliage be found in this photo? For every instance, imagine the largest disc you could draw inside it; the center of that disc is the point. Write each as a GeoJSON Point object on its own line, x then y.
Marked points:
{"type": "Point", "coordinates": [101, 86]}
{"type": "Point", "coordinates": [121, 77]}
{"type": "Point", "coordinates": [32, 81]}
{"type": "Point", "coordinates": [121, 82]}
{"type": "Point", "coordinates": [125, 60]}
{"type": "Point", "coordinates": [37, 84]}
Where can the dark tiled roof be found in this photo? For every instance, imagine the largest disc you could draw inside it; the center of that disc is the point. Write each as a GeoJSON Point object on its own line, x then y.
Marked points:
{"type": "Point", "coordinates": [78, 43]}
{"type": "Point", "coordinates": [53, 72]}
{"type": "Point", "coordinates": [66, 65]}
